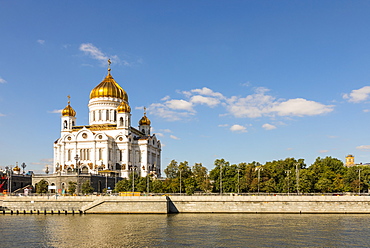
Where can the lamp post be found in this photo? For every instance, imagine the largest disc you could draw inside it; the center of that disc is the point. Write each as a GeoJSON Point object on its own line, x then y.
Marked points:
{"type": "Point", "coordinates": [23, 165]}
{"type": "Point", "coordinates": [221, 179]}
{"type": "Point", "coordinates": [133, 168]}
{"type": "Point", "coordinates": [8, 172]}
{"type": "Point", "coordinates": [238, 181]}
{"type": "Point", "coordinates": [359, 181]}
{"type": "Point", "coordinates": [288, 172]}
{"type": "Point", "coordinates": [78, 172]}
{"type": "Point", "coordinates": [297, 176]}
{"type": "Point", "coordinates": [147, 184]}
{"type": "Point", "coordinates": [258, 169]}
{"type": "Point", "coordinates": [180, 181]}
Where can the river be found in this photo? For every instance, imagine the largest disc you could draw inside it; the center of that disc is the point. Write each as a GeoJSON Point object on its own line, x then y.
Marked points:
{"type": "Point", "coordinates": [195, 230]}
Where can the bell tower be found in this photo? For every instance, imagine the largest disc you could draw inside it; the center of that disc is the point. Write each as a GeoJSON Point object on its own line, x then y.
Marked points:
{"type": "Point", "coordinates": [68, 117]}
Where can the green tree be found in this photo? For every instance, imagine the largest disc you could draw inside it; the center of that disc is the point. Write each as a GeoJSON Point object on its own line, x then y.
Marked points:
{"type": "Point", "coordinates": [42, 187]}
{"type": "Point", "coordinates": [123, 185]}
{"type": "Point", "coordinates": [157, 186]}
{"type": "Point", "coordinates": [217, 174]}
{"type": "Point", "coordinates": [190, 185]}
{"type": "Point", "coordinates": [200, 174]}
{"type": "Point", "coordinates": [172, 169]}
{"type": "Point", "coordinates": [86, 188]}
{"type": "Point", "coordinates": [72, 187]}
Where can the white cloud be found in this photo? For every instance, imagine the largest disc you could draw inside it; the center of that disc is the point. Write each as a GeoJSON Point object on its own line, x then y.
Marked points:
{"type": "Point", "coordinates": [2, 81]}
{"type": "Point", "coordinates": [179, 105]}
{"type": "Point", "coordinates": [363, 147]}
{"type": "Point", "coordinates": [210, 101]}
{"type": "Point", "coordinates": [165, 112]}
{"type": "Point", "coordinates": [97, 54]}
{"type": "Point", "coordinates": [207, 92]}
{"type": "Point", "coordinates": [258, 104]}
{"type": "Point", "coordinates": [2, 115]}
{"type": "Point", "coordinates": [223, 125]}
{"type": "Point", "coordinates": [268, 126]}
{"type": "Point", "coordinates": [174, 137]}
{"type": "Point", "coordinates": [366, 110]}
{"type": "Point", "coordinates": [251, 106]}
{"type": "Point", "coordinates": [56, 111]}
{"type": "Point", "coordinates": [238, 128]}
{"type": "Point", "coordinates": [289, 149]}
{"type": "Point", "coordinates": [301, 107]}
{"type": "Point", "coordinates": [41, 42]}
{"type": "Point", "coordinates": [359, 95]}
{"type": "Point", "coordinates": [167, 131]}
{"type": "Point", "coordinates": [323, 151]}
{"type": "Point", "coordinates": [159, 134]}
{"type": "Point", "coordinates": [332, 136]}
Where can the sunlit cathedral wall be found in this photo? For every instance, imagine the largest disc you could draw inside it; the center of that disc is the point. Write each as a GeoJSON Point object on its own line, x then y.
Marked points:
{"type": "Point", "coordinates": [109, 142]}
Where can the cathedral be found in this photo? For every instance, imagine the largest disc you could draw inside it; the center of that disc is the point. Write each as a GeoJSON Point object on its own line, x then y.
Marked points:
{"type": "Point", "coordinates": [109, 143]}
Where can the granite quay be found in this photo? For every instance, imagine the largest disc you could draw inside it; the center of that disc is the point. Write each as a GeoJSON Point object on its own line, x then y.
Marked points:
{"type": "Point", "coordinates": [251, 204]}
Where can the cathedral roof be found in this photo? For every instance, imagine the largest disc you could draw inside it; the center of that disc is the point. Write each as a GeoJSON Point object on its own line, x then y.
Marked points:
{"type": "Point", "coordinates": [109, 88]}
{"type": "Point", "coordinates": [144, 120]}
{"type": "Point", "coordinates": [123, 108]}
{"type": "Point", "coordinates": [68, 110]}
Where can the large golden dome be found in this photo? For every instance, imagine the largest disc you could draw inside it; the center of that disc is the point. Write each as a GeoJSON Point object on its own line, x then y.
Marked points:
{"type": "Point", "coordinates": [123, 108]}
{"type": "Point", "coordinates": [109, 88]}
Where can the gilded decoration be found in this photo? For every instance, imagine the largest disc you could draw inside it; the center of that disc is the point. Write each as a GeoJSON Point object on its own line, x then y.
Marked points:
{"type": "Point", "coordinates": [109, 88]}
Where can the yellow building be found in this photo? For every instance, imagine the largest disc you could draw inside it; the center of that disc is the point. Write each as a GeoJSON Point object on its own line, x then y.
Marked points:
{"type": "Point", "coordinates": [350, 160]}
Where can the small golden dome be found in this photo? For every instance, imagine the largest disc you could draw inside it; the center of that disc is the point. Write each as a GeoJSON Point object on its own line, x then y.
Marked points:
{"type": "Point", "coordinates": [16, 168]}
{"type": "Point", "coordinates": [68, 111]}
{"type": "Point", "coordinates": [109, 88]}
{"type": "Point", "coordinates": [144, 120]}
{"type": "Point", "coordinates": [123, 108]}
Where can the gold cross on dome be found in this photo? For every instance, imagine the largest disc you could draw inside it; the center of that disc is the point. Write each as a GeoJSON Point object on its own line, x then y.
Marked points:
{"type": "Point", "coordinates": [69, 98]}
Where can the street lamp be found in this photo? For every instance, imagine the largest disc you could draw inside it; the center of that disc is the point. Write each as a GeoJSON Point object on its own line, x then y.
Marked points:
{"type": "Point", "coordinates": [180, 181]}
{"type": "Point", "coordinates": [23, 165]}
{"type": "Point", "coordinates": [221, 179]}
{"type": "Point", "coordinates": [359, 181]}
{"type": "Point", "coordinates": [258, 169]}
{"type": "Point", "coordinates": [133, 168]}
{"type": "Point", "coordinates": [297, 176]}
{"type": "Point", "coordinates": [9, 174]}
{"type": "Point", "coordinates": [238, 181]}
{"type": "Point", "coordinates": [288, 172]}
{"type": "Point", "coordinates": [78, 172]}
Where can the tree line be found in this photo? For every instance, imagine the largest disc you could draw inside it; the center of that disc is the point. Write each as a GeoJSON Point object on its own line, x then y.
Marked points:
{"type": "Point", "coordinates": [325, 175]}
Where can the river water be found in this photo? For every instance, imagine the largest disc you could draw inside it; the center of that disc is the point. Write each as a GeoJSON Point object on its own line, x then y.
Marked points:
{"type": "Point", "coordinates": [193, 230]}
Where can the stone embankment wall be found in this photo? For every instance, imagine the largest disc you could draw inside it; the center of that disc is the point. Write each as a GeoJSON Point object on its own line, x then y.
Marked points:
{"type": "Point", "coordinates": [269, 204]}
{"type": "Point", "coordinates": [187, 204]}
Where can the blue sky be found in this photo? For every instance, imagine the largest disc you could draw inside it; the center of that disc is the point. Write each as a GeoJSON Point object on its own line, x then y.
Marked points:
{"type": "Point", "coordinates": [240, 80]}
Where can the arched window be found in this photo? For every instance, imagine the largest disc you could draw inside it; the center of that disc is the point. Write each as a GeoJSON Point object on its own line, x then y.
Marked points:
{"type": "Point", "coordinates": [107, 115]}
{"type": "Point", "coordinates": [115, 115]}
{"type": "Point", "coordinates": [65, 125]}
{"type": "Point", "coordinates": [73, 123]}
{"type": "Point", "coordinates": [93, 115]}
{"type": "Point", "coordinates": [121, 121]}
{"type": "Point", "coordinates": [100, 154]}
{"type": "Point", "coordinates": [85, 170]}
{"type": "Point", "coordinates": [99, 115]}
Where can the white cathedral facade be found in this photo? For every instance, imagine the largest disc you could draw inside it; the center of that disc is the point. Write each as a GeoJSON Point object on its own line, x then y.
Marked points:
{"type": "Point", "coordinates": [109, 143]}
